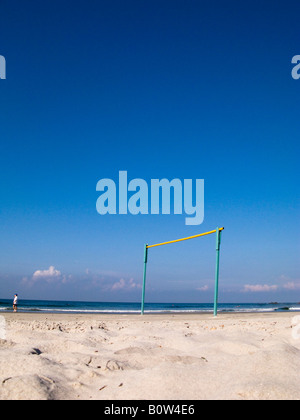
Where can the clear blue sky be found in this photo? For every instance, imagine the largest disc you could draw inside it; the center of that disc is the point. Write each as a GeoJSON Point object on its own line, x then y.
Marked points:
{"type": "Point", "coordinates": [162, 89]}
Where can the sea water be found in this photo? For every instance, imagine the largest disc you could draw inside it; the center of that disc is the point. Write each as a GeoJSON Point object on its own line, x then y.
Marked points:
{"type": "Point", "coordinates": [135, 307]}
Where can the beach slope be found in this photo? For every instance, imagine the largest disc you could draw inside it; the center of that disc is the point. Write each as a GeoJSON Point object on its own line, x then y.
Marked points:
{"type": "Point", "coordinates": [152, 357]}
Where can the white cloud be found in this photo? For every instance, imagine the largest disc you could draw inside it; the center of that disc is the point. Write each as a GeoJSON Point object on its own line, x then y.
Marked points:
{"type": "Point", "coordinates": [203, 288]}
{"type": "Point", "coordinates": [51, 273]}
{"type": "Point", "coordinates": [123, 284]}
{"type": "Point", "coordinates": [292, 285]}
{"type": "Point", "coordinates": [259, 288]}
{"type": "Point", "coordinates": [288, 283]}
{"type": "Point", "coordinates": [119, 285]}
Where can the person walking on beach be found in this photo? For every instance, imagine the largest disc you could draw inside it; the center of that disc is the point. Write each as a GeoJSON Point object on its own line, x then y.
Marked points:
{"type": "Point", "coordinates": [15, 303]}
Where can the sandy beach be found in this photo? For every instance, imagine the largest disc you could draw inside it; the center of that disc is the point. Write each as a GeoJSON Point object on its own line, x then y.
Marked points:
{"type": "Point", "coordinates": [176, 357]}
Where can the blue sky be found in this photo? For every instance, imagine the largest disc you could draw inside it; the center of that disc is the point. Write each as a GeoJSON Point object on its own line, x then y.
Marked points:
{"type": "Point", "coordinates": [161, 89]}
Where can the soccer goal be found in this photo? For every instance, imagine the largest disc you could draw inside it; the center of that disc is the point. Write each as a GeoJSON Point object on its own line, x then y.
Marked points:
{"type": "Point", "coordinates": [218, 233]}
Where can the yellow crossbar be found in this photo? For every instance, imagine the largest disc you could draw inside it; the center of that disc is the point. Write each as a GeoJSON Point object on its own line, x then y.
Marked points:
{"type": "Point", "coordinates": [185, 239]}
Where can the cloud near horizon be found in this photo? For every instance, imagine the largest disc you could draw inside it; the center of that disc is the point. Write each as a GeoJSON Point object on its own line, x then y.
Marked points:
{"type": "Point", "coordinates": [51, 275]}
{"type": "Point", "coordinates": [82, 285]}
{"type": "Point", "coordinates": [283, 283]}
{"type": "Point", "coordinates": [203, 288]}
{"type": "Point", "coordinates": [259, 288]}
{"type": "Point", "coordinates": [122, 284]}
{"type": "Point", "coordinates": [47, 274]}
{"type": "Point", "coordinates": [109, 281]}
{"type": "Point", "coordinates": [292, 285]}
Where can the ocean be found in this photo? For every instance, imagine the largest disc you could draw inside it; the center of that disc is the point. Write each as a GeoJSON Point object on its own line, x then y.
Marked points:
{"type": "Point", "coordinates": [48, 306]}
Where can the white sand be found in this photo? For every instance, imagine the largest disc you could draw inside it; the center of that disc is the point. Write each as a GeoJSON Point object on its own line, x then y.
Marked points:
{"type": "Point", "coordinates": [177, 357]}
